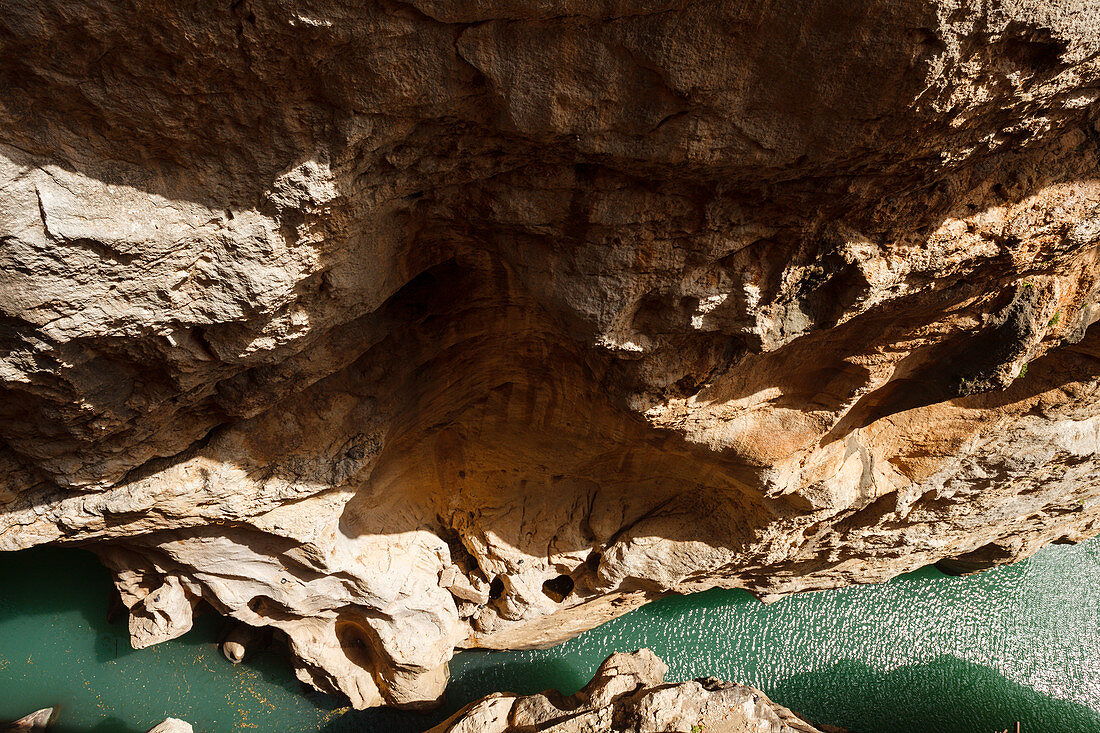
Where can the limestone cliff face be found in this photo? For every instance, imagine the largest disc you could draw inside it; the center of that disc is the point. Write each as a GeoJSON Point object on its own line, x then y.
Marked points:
{"type": "Point", "coordinates": [408, 325]}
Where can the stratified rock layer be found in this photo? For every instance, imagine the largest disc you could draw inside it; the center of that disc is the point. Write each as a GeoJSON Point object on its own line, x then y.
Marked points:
{"type": "Point", "coordinates": [628, 694]}
{"type": "Point", "coordinates": [402, 326]}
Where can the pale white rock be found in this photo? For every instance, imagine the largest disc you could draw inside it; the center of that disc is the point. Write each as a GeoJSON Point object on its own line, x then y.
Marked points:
{"type": "Point", "coordinates": [628, 694]}
{"type": "Point", "coordinates": [39, 720]}
{"type": "Point", "coordinates": [172, 725]}
{"type": "Point", "coordinates": [162, 615]}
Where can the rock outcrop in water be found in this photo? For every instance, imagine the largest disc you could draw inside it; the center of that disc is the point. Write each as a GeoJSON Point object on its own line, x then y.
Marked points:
{"type": "Point", "coordinates": [172, 725]}
{"type": "Point", "coordinates": [41, 720]}
{"type": "Point", "coordinates": [628, 695]}
{"type": "Point", "coordinates": [408, 325]}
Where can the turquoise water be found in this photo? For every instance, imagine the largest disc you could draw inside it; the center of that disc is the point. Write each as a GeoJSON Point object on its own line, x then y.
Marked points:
{"type": "Point", "coordinates": [923, 652]}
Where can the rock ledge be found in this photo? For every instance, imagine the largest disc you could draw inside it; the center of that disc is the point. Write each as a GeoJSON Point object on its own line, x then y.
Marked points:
{"type": "Point", "coordinates": [628, 695]}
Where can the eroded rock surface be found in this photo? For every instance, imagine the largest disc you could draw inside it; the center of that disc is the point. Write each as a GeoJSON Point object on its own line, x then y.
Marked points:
{"type": "Point", "coordinates": [172, 725]}
{"type": "Point", "coordinates": [628, 694]}
{"type": "Point", "coordinates": [403, 325]}
{"type": "Point", "coordinates": [41, 720]}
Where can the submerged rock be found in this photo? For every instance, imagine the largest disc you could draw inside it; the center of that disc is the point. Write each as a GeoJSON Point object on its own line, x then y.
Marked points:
{"type": "Point", "coordinates": [407, 327]}
{"type": "Point", "coordinates": [628, 695]}
{"type": "Point", "coordinates": [41, 720]}
{"type": "Point", "coordinates": [172, 725]}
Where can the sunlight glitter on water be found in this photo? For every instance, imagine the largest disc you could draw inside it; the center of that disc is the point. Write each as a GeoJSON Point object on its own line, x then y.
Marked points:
{"type": "Point", "coordinates": [923, 652]}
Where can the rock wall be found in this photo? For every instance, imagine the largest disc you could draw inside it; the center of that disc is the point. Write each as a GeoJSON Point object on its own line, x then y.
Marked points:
{"type": "Point", "coordinates": [408, 325]}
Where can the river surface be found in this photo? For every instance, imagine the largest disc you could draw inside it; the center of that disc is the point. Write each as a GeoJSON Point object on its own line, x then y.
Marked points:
{"type": "Point", "coordinates": [924, 652]}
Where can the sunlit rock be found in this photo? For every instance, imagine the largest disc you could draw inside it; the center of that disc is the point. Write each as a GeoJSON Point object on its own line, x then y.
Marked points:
{"type": "Point", "coordinates": [172, 725]}
{"type": "Point", "coordinates": [628, 694]}
{"type": "Point", "coordinates": [39, 720]}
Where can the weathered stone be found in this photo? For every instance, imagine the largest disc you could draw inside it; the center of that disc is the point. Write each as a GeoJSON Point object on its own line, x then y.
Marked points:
{"type": "Point", "coordinates": [39, 720]}
{"type": "Point", "coordinates": [627, 695]}
{"type": "Point", "coordinates": [172, 725]}
{"type": "Point", "coordinates": [402, 327]}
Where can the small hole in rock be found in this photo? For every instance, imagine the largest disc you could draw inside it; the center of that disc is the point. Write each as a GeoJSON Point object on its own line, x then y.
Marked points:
{"type": "Point", "coordinates": [593, 560]}
{"type": "Point", "coordinates": [496, 588]}
{"type": "Point", "coordinates": [557, 589]}
{"type": "Point", "coordinates": [928, 40]}
{"type": "Point", "coordinates": [353, 641]}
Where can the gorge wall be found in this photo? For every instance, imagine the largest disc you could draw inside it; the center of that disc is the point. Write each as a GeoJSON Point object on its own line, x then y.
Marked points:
{"type": "Point", "coordinates": [407, 325]}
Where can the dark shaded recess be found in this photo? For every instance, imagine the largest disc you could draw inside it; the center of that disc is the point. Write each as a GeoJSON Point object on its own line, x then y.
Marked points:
{"type": "Point", "coordinates": [830, 287]}
{"type": "Point", "coordinates": [496, 588]}
{"type": "Point", "coordinates": [1077, 361]}
{"type": "Point", "coordinates": [928, 41]}
{"type": "Point", "coordinates": [961, 366]}
{"type": "Point", "coordinates": [945, 695]}
{"type": "Point", "coordinates": [593, 560]}
{"type": "Point", "coordinates": [413, 303]}
{"type": "Point", "coordinates": [97, 248]}
{"type": "Point", "coordinates": [432, 292]}
{"type": "Point", "coordinates": [259, 641]}
{"type": "Point", "coordinates": [664, 314]}
{"type": "Point", "coordinates": [460, 556]}
{"type": "Point", "coordinates": [964, 365]}
{"type": "Point", "coordinates": [557, 589]}
{"type": "Point", "coordinates": [268, 608]}
{"type": "Point", "coordinates": [577, 219]}
{"type": "Point", "coordinates": [355, 642]}
{"type": "Point", "coordinates": [1032, 49]}
{"type": "Point", "coordinates": [16, 331]}
{"type": "Point", "coordinates": [973, 368]}
{"type": "Point", "coordinates": [984, 558]}
{"type": "Point", "coordinates": [153, 465]}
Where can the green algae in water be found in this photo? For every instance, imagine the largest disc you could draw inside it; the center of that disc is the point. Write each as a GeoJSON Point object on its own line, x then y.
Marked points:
{"type": "Point", "coordinates": [923, 652]}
